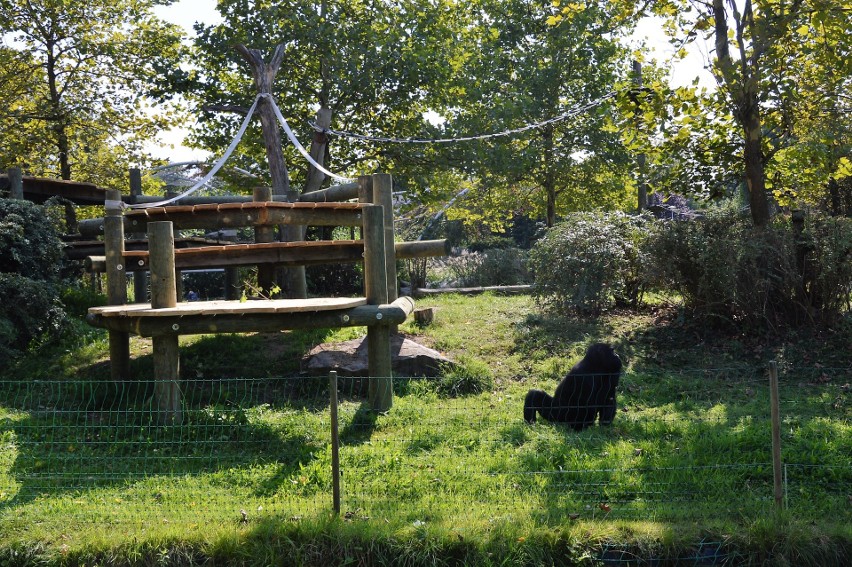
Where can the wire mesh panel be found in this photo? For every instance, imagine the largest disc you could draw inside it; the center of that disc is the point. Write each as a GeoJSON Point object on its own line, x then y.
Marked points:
{"type": "Point", "coordinates": [680, 447]}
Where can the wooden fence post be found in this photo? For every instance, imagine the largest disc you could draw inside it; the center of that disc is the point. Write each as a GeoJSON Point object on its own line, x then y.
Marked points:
{"type": "Point", "coordinates": [16, 183]}
{"type": "Point", "coordinates": [265, 233]}
{"type": "Point", "coordinates": [161, 245]}
{"type": "Point", "coordinates": [119, 342]}
{"type": "Point", "coordinates": [777, 474]}
{"type": "Point", "coordinates": [140, 277]}
{"type": "Point", "coordinates": [383, 195]}
{"type": "Point", "coordinates": [335, 442]}
{"type": "Point", "coordinates": [378, 336]}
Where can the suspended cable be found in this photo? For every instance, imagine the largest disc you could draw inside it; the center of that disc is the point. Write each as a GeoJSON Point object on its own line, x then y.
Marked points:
{"type": "Point", "coordinates": [576, 111]}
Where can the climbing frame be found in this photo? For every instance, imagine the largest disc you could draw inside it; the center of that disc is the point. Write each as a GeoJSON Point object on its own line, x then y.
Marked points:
{"type": "Point", "coordinates": [164, 319]}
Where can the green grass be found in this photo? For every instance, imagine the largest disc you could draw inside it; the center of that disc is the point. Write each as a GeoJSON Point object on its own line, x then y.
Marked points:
{"type": "Point", "coordinates": [87, 477]}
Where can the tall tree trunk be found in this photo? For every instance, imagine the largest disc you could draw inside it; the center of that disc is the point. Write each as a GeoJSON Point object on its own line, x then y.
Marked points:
{"type": "Point", "coordinates": [754, 165]}
{"type": "Point", "coordinates": [60, 128]}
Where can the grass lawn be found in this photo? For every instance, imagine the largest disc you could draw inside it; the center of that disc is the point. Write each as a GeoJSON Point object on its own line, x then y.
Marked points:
{"type": "Point", "coordinates": [683, 475]}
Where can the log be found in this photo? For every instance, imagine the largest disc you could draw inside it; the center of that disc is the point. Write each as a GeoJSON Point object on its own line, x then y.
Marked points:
{"type": "Point", "coordinates": [378, 336]}
{"type": "Point", "coordinates": [424, 316]}
{"type": "Point", "coordinates": [166, 350]}
{"type": "Point", "coordinates": [278, 253]}
{"type": "Point", "coordinates": [16, 183]}
{"type": "Point", "coordinates": [214, 217]}
{"type": "Point", "coordinates": [498, 289]}
{"type": "Point", "coordinates": [238, 322]}
{"type": "Point", "coordinates": [140, 277]}
{"type": "Point", "coordinates": [264, 234]}
{"type": "Point", "coordinates": [119, 342]}
{"type": "Point", "coordinates": [343, 192]}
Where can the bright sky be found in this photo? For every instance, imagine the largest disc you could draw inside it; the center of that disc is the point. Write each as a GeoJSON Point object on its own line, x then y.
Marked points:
{"type": "Point", "coordinates": [186, 12]}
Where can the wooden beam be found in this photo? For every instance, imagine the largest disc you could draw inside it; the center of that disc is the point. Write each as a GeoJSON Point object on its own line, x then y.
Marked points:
{"type": "Point", "coordinates": [278, 253]}
{"type": "Point", "coordinates": [119, 342]}
{"type": "Point", "coordinates": [236, 215]}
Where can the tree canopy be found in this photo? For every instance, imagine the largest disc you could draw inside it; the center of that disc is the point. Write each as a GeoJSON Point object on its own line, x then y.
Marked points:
{"type": "Point", "coordinates": [80, 72]}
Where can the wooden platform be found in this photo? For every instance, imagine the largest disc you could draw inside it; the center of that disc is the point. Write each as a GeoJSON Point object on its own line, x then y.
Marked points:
{"type": "Point", "coordinates": [252, 307]}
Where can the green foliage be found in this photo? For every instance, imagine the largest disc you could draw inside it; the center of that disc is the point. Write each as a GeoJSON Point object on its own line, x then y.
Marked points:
{"type": "Point", "coordinates": [591, 261]}
{"type": "Point", "coordinates": [727, 271]}
{"type": "Point", "coordinates": [81, 72]}
{"type": "Point", "coordinates": [30, 312]}
{"type": "Point", "coordinates": [499, 266]}
{"type": "Point", "coordinates": [29, 244]}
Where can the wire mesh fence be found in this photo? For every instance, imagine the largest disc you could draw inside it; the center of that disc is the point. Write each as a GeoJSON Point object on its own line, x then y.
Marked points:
{"type": "Point", "coordinates": [686, 446]}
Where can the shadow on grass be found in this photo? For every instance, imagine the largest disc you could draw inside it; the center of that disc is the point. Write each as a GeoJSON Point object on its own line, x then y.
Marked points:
{"type": "Point", "coordinates": [76, 436]}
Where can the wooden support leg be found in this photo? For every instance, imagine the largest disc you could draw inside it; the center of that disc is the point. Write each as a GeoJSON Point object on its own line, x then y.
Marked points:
{"type": "Point", "coordinates": [167, 394]}
{"type": "Point", "coordinates": [164, 294]}
{"type": "Point", "coordinates": [119, 342]}
{"type": "Point", "coordinates": [378, 336]}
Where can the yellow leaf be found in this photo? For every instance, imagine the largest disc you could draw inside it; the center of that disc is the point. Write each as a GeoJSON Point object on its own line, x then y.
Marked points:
{"type": "Point", "coordinates": [554, 20]}
{"type": "Point", "coordinates": [804, 30]}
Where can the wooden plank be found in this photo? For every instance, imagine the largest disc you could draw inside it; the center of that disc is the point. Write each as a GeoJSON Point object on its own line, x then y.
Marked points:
{"type": "Point", "coordinates": [220, 307]}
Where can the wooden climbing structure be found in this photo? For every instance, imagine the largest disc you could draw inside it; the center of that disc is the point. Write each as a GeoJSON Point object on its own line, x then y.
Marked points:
{"type": "Point", "coordinates": [164, 319]}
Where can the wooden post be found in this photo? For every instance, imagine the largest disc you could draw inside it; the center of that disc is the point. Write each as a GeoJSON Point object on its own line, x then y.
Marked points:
{"type": "Point", "coordinates": [378, 336]}
{"type": "Point", "coordinates": [365, 194]}
{"type": "Point", "coordinates": [161, 244]}
{"type": "Point", "coordinates": [265, 233]}
{"type": "Point", "coordinates": [232, 283]}
{"type": "Point", "coordinates": [383, 195]}
{"type": "Point", "coordinates": [140, 277]}
{"type": "Point", "coordinates": [16, 183]}
{"type": "Point", "coordinates": [642, 183]}
{"type": "Point", "coordinates": [335, 442]}
{"type": "Point", "coordinates": [119, 342]}
{"type": "Point", "coordinates": [777, 475]}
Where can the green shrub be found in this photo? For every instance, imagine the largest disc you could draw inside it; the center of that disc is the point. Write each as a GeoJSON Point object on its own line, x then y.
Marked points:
{"type": "Point", "coordinates": [30, 312]}
{"type": "Point", "coordinates": [499, 266]}
{"type": "Point", "coordinates": [591, 261]}
{"type": "Point", "coordinates": [726, 270]}
{"type": "Point", "coordinates": [29, 243]}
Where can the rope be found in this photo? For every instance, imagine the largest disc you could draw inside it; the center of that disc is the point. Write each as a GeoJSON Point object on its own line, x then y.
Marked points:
{"type": "Point", "coordinates": [298, 145]}
{"type": "Point", "coordinates": [576, 111]}
{"type": "Point", "coordinates": [216, 167]}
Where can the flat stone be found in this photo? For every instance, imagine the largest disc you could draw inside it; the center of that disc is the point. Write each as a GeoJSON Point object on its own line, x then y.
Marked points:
{"type": "Point", "coordinates": [349, 358]}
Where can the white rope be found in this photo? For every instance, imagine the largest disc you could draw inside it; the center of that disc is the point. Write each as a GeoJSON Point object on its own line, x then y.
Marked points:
{"type": "Point", "coordinates": [576, 111]}
{"type": "Point", "coordinates": [216, 167]}
{"type": "Point", "coordinates": [298, 145]}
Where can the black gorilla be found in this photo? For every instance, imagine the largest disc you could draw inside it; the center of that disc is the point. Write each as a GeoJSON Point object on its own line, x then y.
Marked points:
{"type": "Point", "coordinates": [586, 392]}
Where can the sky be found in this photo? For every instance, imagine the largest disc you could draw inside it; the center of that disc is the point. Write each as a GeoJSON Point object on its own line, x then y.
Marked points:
{"type": "Point", "coordinates": [186, 12]}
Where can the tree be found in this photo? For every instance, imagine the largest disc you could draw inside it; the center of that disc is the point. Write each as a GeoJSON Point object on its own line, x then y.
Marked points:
{"type": "Point", "coordinates": [764, 55]}
{"type": "Point", "coordinates": [375, 66]}
{"type": "Point", "coordinates": [87, 67]}
{"type": "Point", "coordinates": [527, 61]}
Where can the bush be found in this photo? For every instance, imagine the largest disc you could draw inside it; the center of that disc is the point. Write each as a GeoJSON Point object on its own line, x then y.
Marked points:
{"type": "Point", "coordinates": [727, 270]}
{"type": "Point", "coordinates": [591, 261]}
{"type": "Point", "coordinates": [502, 266]}
{"type": "Point", "coordinates": [29, 313]}
{"type": "Point", "coordinates": [29, 243]}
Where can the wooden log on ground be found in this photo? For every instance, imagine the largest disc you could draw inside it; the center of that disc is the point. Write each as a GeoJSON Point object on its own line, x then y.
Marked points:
{"type": "Point", "coordinates": [424, 316]}
{"type": "Point", "coordinates": [498, 289]}
{"type": "Point", "coordinates": [119, 342]}
{"type": "Point", "coordinates": [166, 350]}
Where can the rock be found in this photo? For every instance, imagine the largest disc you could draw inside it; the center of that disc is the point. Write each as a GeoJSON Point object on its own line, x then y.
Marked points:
{"type": "Point", "coordinates": [350, 358]}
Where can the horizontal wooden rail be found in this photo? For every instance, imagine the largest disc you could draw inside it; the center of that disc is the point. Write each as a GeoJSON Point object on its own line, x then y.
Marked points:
{"type": "Point", "coordinates": [235, 215]}
{"type": "Point", "coordinates": [278, 253]}
{"type": "Point", "coordinates": [242, 317]}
